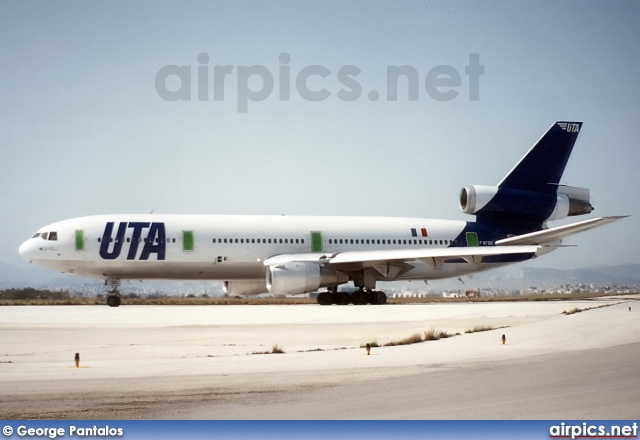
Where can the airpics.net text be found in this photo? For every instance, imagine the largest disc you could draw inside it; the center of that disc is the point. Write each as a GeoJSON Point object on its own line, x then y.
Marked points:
{"type": "Point", "coordinates": [312, 83]}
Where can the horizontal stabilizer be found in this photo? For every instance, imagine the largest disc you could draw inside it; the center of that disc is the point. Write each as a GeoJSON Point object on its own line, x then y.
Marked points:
{"type": "Point", "coordinates": [549, 236]}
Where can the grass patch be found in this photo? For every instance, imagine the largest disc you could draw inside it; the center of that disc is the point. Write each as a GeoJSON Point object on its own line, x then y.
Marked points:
{"type": "Point", "coordinates": [261, 352]}
{"type": "Point", "coordinates": [433, 335]}
{"type": "Point", "coordinates": [276, 349]}
{"type": "Point", "coordinates": [480, 328]}
{"type": "Point", "coordinates": [413, 339]}
{"type": "Point", "coordinates": [372, 344]}
{"type": "Point", "coordinates": [429, 335]}
{"type": "Point", "coordinates": [578, 309]}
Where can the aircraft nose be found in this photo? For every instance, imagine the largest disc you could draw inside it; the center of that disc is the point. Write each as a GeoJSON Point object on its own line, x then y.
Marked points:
{"type": "Point", "coordinates": [26, 249]}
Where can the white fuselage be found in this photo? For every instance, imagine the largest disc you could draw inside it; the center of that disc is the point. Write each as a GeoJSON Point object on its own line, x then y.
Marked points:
{"type": "Point", "coordinates": [229, 247]}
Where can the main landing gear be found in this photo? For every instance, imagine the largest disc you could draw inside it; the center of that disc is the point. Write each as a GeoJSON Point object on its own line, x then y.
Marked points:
{"type": "Point", "coordinates": [113, 297]}
{"type": "Point", "coordinates": [359, 297]}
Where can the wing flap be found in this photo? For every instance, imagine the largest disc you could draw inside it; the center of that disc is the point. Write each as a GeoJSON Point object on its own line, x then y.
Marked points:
{"type": "Point", "coordinates": [429, 256]}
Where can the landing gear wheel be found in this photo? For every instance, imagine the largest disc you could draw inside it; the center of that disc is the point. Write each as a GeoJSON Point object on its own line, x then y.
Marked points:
{"type": "Point", "coordinates": [378, 297]}
{"type": "Point", "coordinates": [325, 299]}
{"type": "Point", "coordinates": [360, 298]}
{"type": "Point", "coordinates": [113, 301]}
{"type": "Point", "coordinates": [343, 298]}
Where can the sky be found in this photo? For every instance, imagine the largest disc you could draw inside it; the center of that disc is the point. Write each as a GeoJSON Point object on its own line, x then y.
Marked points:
{"type": "Point", "coordinates": [252, 107]}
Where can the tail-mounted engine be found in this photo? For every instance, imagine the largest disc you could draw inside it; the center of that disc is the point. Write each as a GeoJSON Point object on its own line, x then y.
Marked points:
{"type": "Point", "coordinates": [566, 201]}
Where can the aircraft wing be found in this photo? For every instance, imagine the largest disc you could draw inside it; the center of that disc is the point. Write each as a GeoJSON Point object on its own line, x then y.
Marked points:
{"type": "Point", "coordinates": [392, 261]}
{"type": "Point", "coordinates": [552, 235]}
{"type": "Point", "coordinates": [433, 257]}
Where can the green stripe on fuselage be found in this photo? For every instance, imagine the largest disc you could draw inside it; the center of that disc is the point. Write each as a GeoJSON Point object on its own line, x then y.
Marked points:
{"type": "Point", "coordinates": [316, 241]}
{"type": "Point", "coordinates": [79, 240]}
{"type": "Point", "coordinates": [187, 241]}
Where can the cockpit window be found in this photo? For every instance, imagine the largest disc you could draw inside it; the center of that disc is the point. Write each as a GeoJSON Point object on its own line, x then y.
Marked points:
{"type": "Point", "coordinates": [51, 236]}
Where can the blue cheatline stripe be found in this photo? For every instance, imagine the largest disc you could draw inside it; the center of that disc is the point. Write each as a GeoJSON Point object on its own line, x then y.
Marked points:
{"type": "Point", "coordinates": [292, 429]}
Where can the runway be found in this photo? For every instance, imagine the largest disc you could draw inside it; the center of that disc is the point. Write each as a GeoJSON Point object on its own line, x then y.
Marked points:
{"type": "Point", "coordinates": [199, 362]}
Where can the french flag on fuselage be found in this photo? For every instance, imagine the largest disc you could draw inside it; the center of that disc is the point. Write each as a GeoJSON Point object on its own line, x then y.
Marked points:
{"type": "Point", "coordinates": [422, 232]}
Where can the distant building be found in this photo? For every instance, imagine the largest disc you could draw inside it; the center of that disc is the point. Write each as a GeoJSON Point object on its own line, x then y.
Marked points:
{"type": "Point", "coordinates": [472, 293]}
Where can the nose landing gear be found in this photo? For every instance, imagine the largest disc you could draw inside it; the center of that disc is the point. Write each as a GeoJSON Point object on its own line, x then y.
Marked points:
{"type": "Point", "coordinates": [113, 297]}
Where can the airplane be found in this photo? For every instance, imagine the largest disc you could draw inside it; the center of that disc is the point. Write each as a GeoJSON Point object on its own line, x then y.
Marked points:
{"type": "Point", "coordinates": [289, 255]}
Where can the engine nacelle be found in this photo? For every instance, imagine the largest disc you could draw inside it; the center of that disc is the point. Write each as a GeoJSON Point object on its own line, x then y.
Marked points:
{"type": "Point", "coordinates": [297, 277]}
{"type": "Point", "coordinates": [249, 287]}
{"type": "Point", "coordinates": [568, 201]}
{"type": "Point", "coordinates": [474, 198]}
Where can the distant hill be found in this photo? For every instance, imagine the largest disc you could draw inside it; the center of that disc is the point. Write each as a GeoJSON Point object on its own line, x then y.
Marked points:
{"type": "Point", "coordinates": [11, 276]}
{"type": "Point", "coordinates": [519, 277]}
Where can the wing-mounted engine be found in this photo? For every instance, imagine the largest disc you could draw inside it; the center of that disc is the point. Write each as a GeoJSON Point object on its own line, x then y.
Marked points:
{"type": "Point", "coordinates": [530, 205]}
{"type": "Point", "coordinates": [245, 287]}
{"type": "Point", "coordinates": [297, 277]}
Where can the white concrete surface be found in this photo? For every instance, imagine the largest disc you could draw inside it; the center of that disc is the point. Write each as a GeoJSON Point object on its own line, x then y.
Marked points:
{"type": "Point", "coordinates": [178, 349]}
